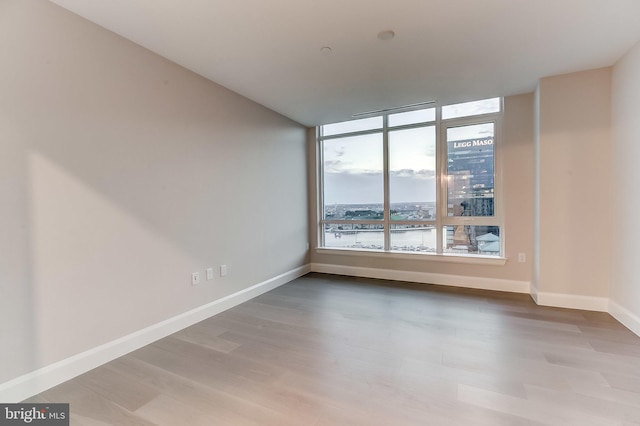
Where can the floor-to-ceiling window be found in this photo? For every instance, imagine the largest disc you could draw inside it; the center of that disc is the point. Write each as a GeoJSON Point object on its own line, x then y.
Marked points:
{"type": "Point", "coordinates": [421, 181]}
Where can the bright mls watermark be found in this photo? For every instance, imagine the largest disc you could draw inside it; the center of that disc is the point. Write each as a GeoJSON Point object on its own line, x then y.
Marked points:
{"type": "Point", "coordinates": [34, 414]}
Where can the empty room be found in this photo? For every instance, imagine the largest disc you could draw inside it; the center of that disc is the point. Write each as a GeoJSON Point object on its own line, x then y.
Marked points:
{"type": "Point", "coordinates": [322, 213]}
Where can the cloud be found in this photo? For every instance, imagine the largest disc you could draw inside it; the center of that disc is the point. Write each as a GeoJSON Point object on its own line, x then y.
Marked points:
{"type": "Point", "coordinates": [426, 173]}
{"type": "Point", "coordinates": [410, 173]}
{"type": "Point", "coordinates": [353, 188]}
{"type": "Point", "coordinates": [366, 186]}
{"type": "Point", "coordinates": [333, 166]}
{"type": "Point", "coordinates": [336, 168]}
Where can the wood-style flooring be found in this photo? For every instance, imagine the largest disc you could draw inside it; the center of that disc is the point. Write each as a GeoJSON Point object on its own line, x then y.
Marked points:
{"type": "Point", "coordinates": [327, 350]}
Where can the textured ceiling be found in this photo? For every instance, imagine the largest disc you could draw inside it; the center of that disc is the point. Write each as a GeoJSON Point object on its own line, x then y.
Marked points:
{"type": "Point", "coordinates": [444, 50]}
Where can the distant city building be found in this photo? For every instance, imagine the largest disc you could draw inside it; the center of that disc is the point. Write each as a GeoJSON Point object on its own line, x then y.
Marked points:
{"type": "Point", "coordinates": [471, 165]}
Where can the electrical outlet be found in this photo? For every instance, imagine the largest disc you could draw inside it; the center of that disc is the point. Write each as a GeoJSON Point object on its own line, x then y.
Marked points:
{"type": "Point", "coordinates": [522, 257]}
{"type": "Point", "coordinates": [223, 270]}
{"type": "Point", "coordinates": [209, 273]}
{"type": "Point", "coordinates": [195, 278]}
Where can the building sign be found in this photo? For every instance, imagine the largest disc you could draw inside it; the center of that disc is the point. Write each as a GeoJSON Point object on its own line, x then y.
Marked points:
{"type": "Point", "coordinates": [471, 143]}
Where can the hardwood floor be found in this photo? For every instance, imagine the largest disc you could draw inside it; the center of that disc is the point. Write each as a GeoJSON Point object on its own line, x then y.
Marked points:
{"type": "Point", "coordinates": [327, 350]}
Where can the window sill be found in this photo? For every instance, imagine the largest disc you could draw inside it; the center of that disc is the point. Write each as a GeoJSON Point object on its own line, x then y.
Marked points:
{"type": "Point", "coordinates": [428, 257]}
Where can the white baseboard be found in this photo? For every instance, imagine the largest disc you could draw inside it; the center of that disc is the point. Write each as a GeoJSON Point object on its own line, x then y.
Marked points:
{"type": "Point", "coordinates": [572, 301]}
{"type": "Point", "coordinates": [425, 278]}
{"type": "Point", "coordinates": [534, 291]}
{"type": "Point", "coordinates": [44, 378]}
{"type": "Point", "coordinates": [626, 317]}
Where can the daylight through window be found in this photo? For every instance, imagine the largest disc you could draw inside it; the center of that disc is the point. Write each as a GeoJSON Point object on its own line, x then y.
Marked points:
{"type": "Point", "coordinates": [422, 181]}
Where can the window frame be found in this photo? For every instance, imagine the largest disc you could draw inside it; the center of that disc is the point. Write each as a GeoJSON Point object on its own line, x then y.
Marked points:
{"type": "Point", "coordinates": [441, 219]}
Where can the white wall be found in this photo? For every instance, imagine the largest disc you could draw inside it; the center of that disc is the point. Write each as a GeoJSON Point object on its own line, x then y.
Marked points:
{"type": "Point", "coordinates": [516, 148]}
{"type": "Point", "coordinates": [625, 116]}
{"type": "Point", "coordinates": [574, 182]}
{"type": "Point", "coordinates": [120, 174]}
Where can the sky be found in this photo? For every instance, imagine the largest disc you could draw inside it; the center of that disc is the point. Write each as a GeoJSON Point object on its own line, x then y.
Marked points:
{"type": "Point", "coordinates": [353, 165]}
{"type": "Point", "coordinates": [353, 168]}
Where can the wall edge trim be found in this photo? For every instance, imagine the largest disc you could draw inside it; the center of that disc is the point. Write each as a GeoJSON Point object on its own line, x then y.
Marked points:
{"type": "Point", "coordinates": [572, 301]}
{"type": "Point", "coordinates": [495, 284]}
{"type": "Point", "coordinates": [625, 316]}
{"type": "Point", "coordinates": [39, 380]}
